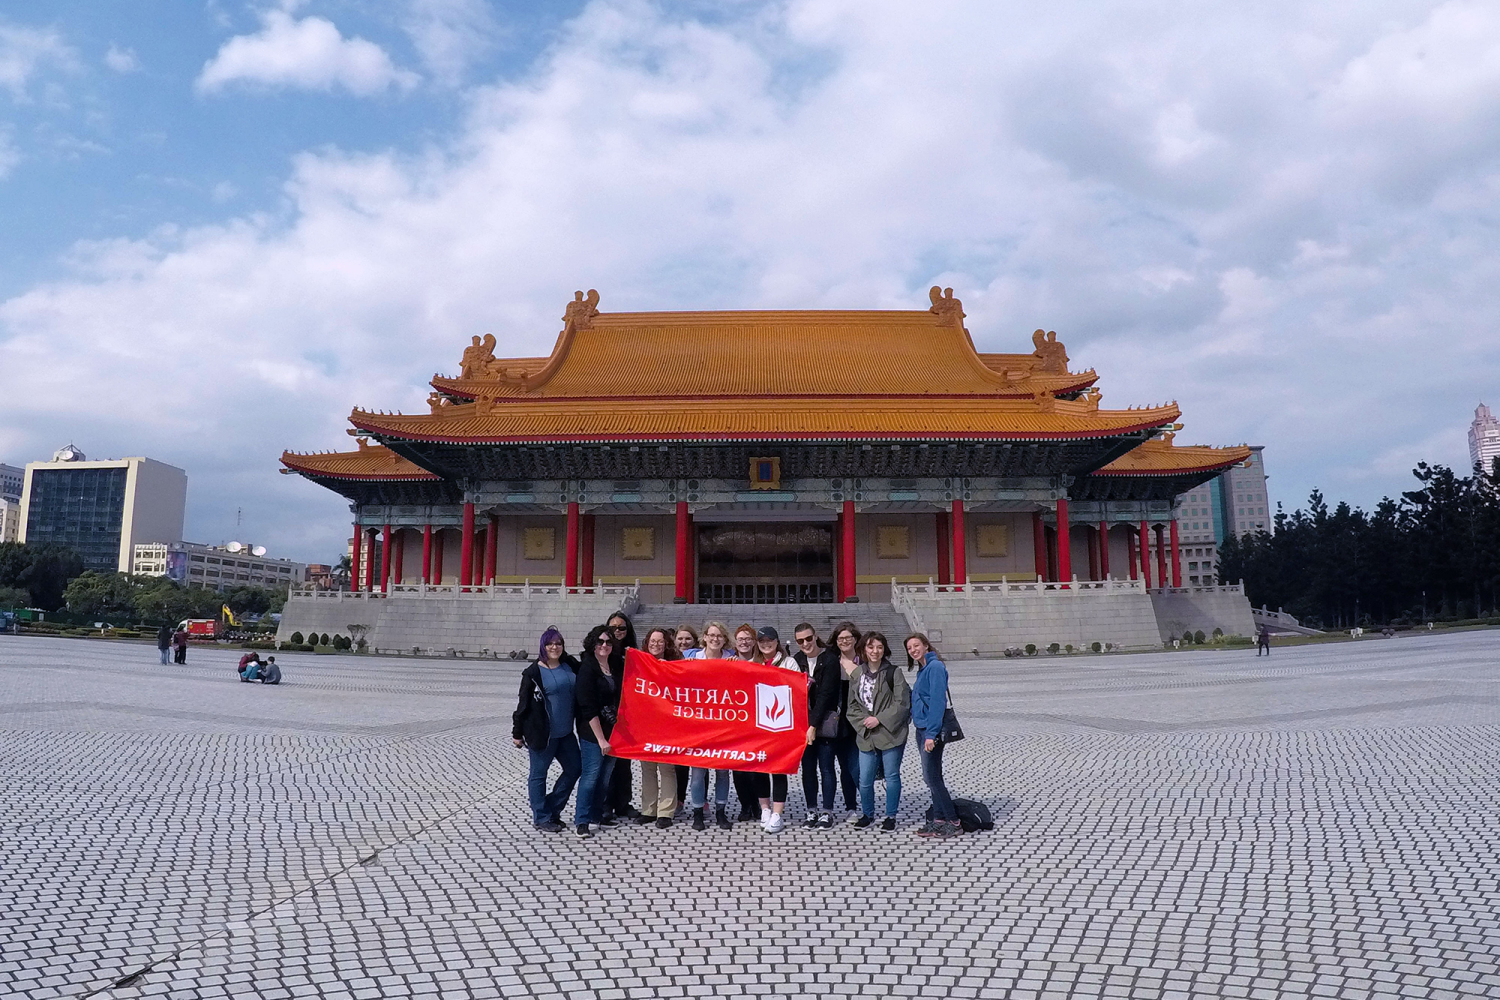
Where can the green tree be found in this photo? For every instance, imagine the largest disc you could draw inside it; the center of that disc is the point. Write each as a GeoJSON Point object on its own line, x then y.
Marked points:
{"type": "Point", "coordinates": [101, 595]}
{"type": "Point", "coordinates": [43, 571]}
{"type": "Point", "coordinates": [14, 597]}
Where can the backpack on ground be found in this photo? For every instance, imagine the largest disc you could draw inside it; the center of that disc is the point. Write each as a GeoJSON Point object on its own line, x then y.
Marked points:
{"type": "Point", "coordinates": [971, 815]}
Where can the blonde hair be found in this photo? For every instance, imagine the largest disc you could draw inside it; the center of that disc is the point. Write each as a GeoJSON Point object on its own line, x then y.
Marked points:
{"type": "Point", "coordinates": [723, 630]}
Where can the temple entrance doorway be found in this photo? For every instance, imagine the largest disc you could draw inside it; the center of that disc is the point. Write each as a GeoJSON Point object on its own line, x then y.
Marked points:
{"type": "Point", "coordinates": [765, 563]}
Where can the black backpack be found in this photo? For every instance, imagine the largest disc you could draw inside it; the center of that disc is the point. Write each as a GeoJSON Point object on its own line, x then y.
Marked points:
{"type": "Point", "coordinates": [972, 815]}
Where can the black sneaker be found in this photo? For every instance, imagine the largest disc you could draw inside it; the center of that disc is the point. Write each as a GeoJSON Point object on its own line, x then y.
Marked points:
{"type": "Point", "coordinates": [931, 828]}
{"type": "Point", "coordinates": [583, 830]}
{"type": "Point", "coordinates": [888, 824]}
{"type": "Point", "coordinates": [550, 826]}
{"type": "Point", "coordinates": [811, 821]}
{"type": "Point", "coordinates": [721, 819]}
{"type": "Point", "coordinates": [609, 821]}
{"type": "Point", "coordinates": [952, 828]}
{"type": "Point", "coordinates": [825, 821]}
{"type": "Point", "coordinates": [748, 815]}
{"type": "Point", "coordinates": [663, 822]}
{"type": "Point", "coordinates": [864, 821]}
{"type": "Point", "coordinates": [643, 819]}
{"type": "Point", "coordinates": [698, 823]}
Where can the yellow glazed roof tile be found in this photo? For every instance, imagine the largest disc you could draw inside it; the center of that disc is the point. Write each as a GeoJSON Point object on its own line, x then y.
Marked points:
{"type": "Point", "coordinates": [369, 462]}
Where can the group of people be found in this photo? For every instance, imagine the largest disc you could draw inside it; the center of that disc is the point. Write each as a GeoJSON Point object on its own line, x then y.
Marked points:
{"type": "Point", "coordinates": [861, 710]}
{"type": "Point", "coordinates": [174, 643]}
{"type": "Point", "coordinates": [253, 668]}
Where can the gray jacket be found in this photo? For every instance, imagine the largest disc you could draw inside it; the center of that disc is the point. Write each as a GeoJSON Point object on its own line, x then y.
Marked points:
{"type": "Point", "coordinates": [892, 708]}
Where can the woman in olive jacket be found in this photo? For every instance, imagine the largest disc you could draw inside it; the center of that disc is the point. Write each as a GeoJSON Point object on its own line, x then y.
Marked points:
{"type": "Point", "coordinates": [879, 709]}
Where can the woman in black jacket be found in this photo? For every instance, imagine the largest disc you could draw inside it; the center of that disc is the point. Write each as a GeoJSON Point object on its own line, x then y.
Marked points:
{"type": "Point", "coordinates": [597, 700]}
{"type": "Point", "coordinates": [619, 801]}
{"type": "Point", "coordinates": [831, 693]}
{"type": "Point", "coordinates": [809, 646]}
{"type": "Point", "coordinates": [543, 724]}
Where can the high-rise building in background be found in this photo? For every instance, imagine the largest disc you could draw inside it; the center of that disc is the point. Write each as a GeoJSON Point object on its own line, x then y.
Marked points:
{"type": "Point", "coordinates": [12, 480]}
{"type": "Point", "coordinates": [217, 567]}
{"type": "Point", "coordinates": [1233, 502]}
{"type": "Point", "coordinates": [102, 509]}
{"type": "Point", "coordinates": [1484, 438]}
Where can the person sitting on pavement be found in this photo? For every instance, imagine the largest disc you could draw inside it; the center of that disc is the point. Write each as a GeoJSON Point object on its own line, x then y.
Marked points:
{"type": "Point", "coordinates": [249, 667]}
{"type": "Point", "coordinates": [270, 673]}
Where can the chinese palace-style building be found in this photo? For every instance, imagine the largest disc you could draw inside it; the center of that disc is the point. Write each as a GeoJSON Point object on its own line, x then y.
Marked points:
{"type": "Point", "coordinates": [796, 457]}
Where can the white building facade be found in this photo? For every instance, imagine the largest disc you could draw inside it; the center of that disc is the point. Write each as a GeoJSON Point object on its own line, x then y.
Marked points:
{"type": "Point", "coordinates": [1484, 438]}
{"type": "Point", "coordinates": [216, 567]}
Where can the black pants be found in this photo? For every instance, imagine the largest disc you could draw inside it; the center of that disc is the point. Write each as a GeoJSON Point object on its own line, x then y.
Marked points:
{"type": "Point", "coordinates": [181, 655]}
{"type": "Point", "coordinates": [619, 799]}
{"type": "Point", "coordinates": [747, 788]}
{"type": "Point", "coordinates": [847, 754]}
{"type": "Point", "coordinates": [771, 786]}
{"type": "Point", "coordinates": [818, 762]}
{"type": "Point", "coordinates": [682, 783]}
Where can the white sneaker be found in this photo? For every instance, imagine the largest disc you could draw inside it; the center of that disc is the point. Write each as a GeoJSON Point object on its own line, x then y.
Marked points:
{"type": "Point", "coordinates": [776, 823]}
{"type": "Point", "coordinates": [765, 819]}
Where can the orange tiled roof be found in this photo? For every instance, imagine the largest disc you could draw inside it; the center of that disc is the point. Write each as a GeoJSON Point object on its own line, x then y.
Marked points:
{"type": "Point", "coordinates": [371, 461]}
{"type": "Point", "coordinates": [799, 418]}
{"type": "Point", "coordinates": [1160, 457]}
{"type": "Point", "coordinates": [1058, 383]}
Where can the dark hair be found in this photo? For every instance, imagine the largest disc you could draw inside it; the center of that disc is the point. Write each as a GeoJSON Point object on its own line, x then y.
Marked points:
{"type": "Point", "coordinates": [670, 652]}
{"type": "Point", "coordinates": [925, 641]}
{"type": "Point", "coordinates": [806, 626]}
{"type": "Point", "coordinates": [597, 633]}
{"type": "Point", "coordinates": [833, 635]}
{"type": "Point", "coordinates": [547, 636]}
{"type": "Point", "coordinates": [689, 630]}
{"type": "Point", "coordinates": [869, 637]}
{"type": "Point", "coordinates": [629, 640]}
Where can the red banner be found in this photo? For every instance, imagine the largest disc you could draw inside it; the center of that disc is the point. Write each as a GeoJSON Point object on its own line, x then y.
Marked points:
{"type": "Point", "coordinates": [719, 714]}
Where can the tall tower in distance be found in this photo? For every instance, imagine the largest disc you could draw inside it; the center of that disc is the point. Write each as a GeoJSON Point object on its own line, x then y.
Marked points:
{"type": "Point", "coordinates": [1484, 438]}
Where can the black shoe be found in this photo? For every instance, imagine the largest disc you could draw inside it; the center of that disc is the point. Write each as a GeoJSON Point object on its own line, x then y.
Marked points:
{"type": "Point", "coordinates": [721, 818]}
{"type": "Point", "coordinates": [825, 821]}
{"type": "Point", "coordinates": [748, 815]}
{"type": "Point", "coordinates": [550, 826]}
{"type": "Point", "coordinates": [583, 830]}
{"type": "Point", "coordinates": [609, 821]}
{"type": "Point", "coordinates": [643, 819]}
{"type": "Point", "coordinates": [811, 821]}
{"type": "Point", "coordinates": [698, 823]}
{"type": "Point", "coordinates": [864, 821]}
{"type": "Point", "coordinates": [888, 824]}
{"type": "Point", "coordinates": [931, 828]}
{"type": "Point", "coordinates": [662, 822]}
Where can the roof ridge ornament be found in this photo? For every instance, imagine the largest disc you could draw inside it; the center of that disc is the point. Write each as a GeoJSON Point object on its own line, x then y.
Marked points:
{"type": "Point", "coordinates": [580, 313]}
{"type": "Point", "coordinates": [948, 310]}
{"type": "Point", "coordinates": [1050, 352]}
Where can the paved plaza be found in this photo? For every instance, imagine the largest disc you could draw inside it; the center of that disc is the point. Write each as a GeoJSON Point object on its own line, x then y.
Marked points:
{"type": "Point", "coordinates": [1320, 823]}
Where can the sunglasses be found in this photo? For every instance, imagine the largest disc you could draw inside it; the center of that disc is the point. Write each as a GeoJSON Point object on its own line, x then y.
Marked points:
{"type": "Point", "coordinates": [803, 640]}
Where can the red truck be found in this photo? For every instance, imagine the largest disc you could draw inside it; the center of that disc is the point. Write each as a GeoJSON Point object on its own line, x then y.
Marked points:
{"type": "Point", "coordinates": [200, 628]}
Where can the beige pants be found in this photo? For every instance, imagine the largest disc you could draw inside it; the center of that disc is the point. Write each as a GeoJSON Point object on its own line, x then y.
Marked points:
{"type": "Point", "coordinates": [658, 789]}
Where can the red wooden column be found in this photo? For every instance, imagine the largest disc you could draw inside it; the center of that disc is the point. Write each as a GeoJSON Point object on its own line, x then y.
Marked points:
{"type": "Point", "coordinates": [400, 545]}
{"type": "Point", "coordinates": [960, 546]}
{"type": "Point", "coordinates": [683, 552]}
{"type": "Point", "coordinates": [466, 551]}
{"type": "Point", "coordinates": [1145, 537]}
{"type": "Point", "coordinates": [491, 549]}
{"type": "Point", "coordinates": [1039, 544]}
{"type": "Point", "coordinates": [942, 547]}
{"type": "Point", "coordinates": [1064, 542]}
{"type": "Point", "coordinates": [1092, 545]}
{"type": "Point", "coordinates": [1161, 555]}
{"type": "Point", "coordinates": [847, 577]}
{"type": "Point", "coordinates": [427, 554]}
{"type": "Point", "coordinates": [838, 557]}
{"type": "Point", "coordinates": [586, 550]}
{"type": "Point", "coordinates": [437, 557]}
{"type": "Point", "coordinates": [1104, 550]}
{"type": "Point", "coordinates": [1176, 557]}
{"type": "Point", "coordinates": [1130, 548]}
{"type": "Point", "coordinates": [385, 559]}
{"type": "Point", "coordinates": [570, 548]}
{"type": "Point", "coordinates": [359, 541]}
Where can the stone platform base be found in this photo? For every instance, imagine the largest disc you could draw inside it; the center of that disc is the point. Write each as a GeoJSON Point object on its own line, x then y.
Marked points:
{"type": "Point", "coordinates": [988, 621]}
{"type": "Point", "coordinates": [1202, 609]}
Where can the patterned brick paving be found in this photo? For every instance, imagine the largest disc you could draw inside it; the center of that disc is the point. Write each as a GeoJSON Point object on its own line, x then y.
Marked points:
{"type": "Point", "coordinates": [1321, 823]}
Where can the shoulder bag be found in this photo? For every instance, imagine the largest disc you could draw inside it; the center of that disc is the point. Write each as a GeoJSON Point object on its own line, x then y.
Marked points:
{"type": "Point", "coordinates": [951, 732]}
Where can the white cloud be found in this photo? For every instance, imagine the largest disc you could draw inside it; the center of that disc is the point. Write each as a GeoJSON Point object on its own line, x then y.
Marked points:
{"type": "Point", "coordinates": [121, 60]}
{"type": "Point", "coordinates": [450, 34]}
{"type": "Point", "coordinates": [307, 53]}
{"type": "Point", "coordinates": [1195, 205]}
{"type": "Point", "coordinates": [25, 50]}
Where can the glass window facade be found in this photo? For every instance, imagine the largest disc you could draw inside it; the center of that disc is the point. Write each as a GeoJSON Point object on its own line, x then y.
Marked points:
{"type": "Point", "coordinates": [83, 509]}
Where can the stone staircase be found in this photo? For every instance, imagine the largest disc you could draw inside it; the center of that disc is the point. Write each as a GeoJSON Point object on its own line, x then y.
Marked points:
{"type": "Point", "coordinates": [872, 616]}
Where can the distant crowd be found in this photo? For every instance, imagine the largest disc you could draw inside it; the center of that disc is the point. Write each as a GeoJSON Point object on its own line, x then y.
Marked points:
{"type": "Point", "coordinates": [861, 711]}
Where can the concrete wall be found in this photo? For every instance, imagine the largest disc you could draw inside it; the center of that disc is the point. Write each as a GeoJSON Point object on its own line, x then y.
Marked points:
{"type": "Point", "coordinates": [433, 623]}
{"type": "Point", "coordinates": [1189, 610]}
{"type": "Point", "coordinates": [991, 623]}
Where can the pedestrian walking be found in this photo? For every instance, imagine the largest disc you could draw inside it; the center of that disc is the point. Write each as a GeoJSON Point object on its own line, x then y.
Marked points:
{"type": "Point", "coordinates": [879, 709]}
{"type": "Point", "coordinates": [1263, 641]}
{"type": "Point", "coordinates": [596, 694]}
{"type": "Point", "coordinates": [543, 724]}
{"type": "Point", "coordinates": [929, 706]}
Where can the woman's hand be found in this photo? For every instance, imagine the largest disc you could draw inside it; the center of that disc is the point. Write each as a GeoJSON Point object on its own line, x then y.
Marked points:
{"type": "Point", "coordinates": [871, 722]}
{"type": "Point", "coordinates": [812, 734]}
{"type": "Point", "coordinates": [518, 743]}
{"type": "Point", "coordinates": [604, 748]}
{"type": "Point", "coordinates": [929, 745]}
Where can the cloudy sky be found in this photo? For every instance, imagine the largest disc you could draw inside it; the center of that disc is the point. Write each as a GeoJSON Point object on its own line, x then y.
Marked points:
{"type": "Point", "coordinates": [227, 223]}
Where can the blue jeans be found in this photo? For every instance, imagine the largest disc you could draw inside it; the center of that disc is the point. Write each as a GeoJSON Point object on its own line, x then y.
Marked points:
{"type": "Point", "coordinates": [698, 788]}
{"type": "Point", "coordinates": [817, 762]}
{"type": "Point", "coordinates": [932, 773]}
{"type": "Point", "coordinates": [593, 783]}
{"type": "Point", "coordinates": [164, 651]}
{"type": "Point", "coordinates": [252, 671]}
{"type": "Point", "coordinates": [564, 750]}
{"type": "Point", "coordinates": [847, 754]}
{"type": "Point", "coordinates": [867, 761]}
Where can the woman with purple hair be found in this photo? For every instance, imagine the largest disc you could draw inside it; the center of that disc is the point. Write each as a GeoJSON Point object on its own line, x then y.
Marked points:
{"type": "Point", "coordinates": [543, 724]}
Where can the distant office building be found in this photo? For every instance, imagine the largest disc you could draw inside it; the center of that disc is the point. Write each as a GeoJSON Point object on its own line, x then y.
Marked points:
{"type": "Point", "coordinates": [12, 480]}
{"type": "Point", "coordinates": [320, 575]}
{"type": "Point", "coordinates": [1484, 439]}
{"type": "Point", "coordinates": [102, 509]}
{"type": "Point", "coordinates": [217, 567]}
{"type": "Point", "coordinates": [10, 519]}
{"type": "Point", "coordinates": [1233, 502]}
